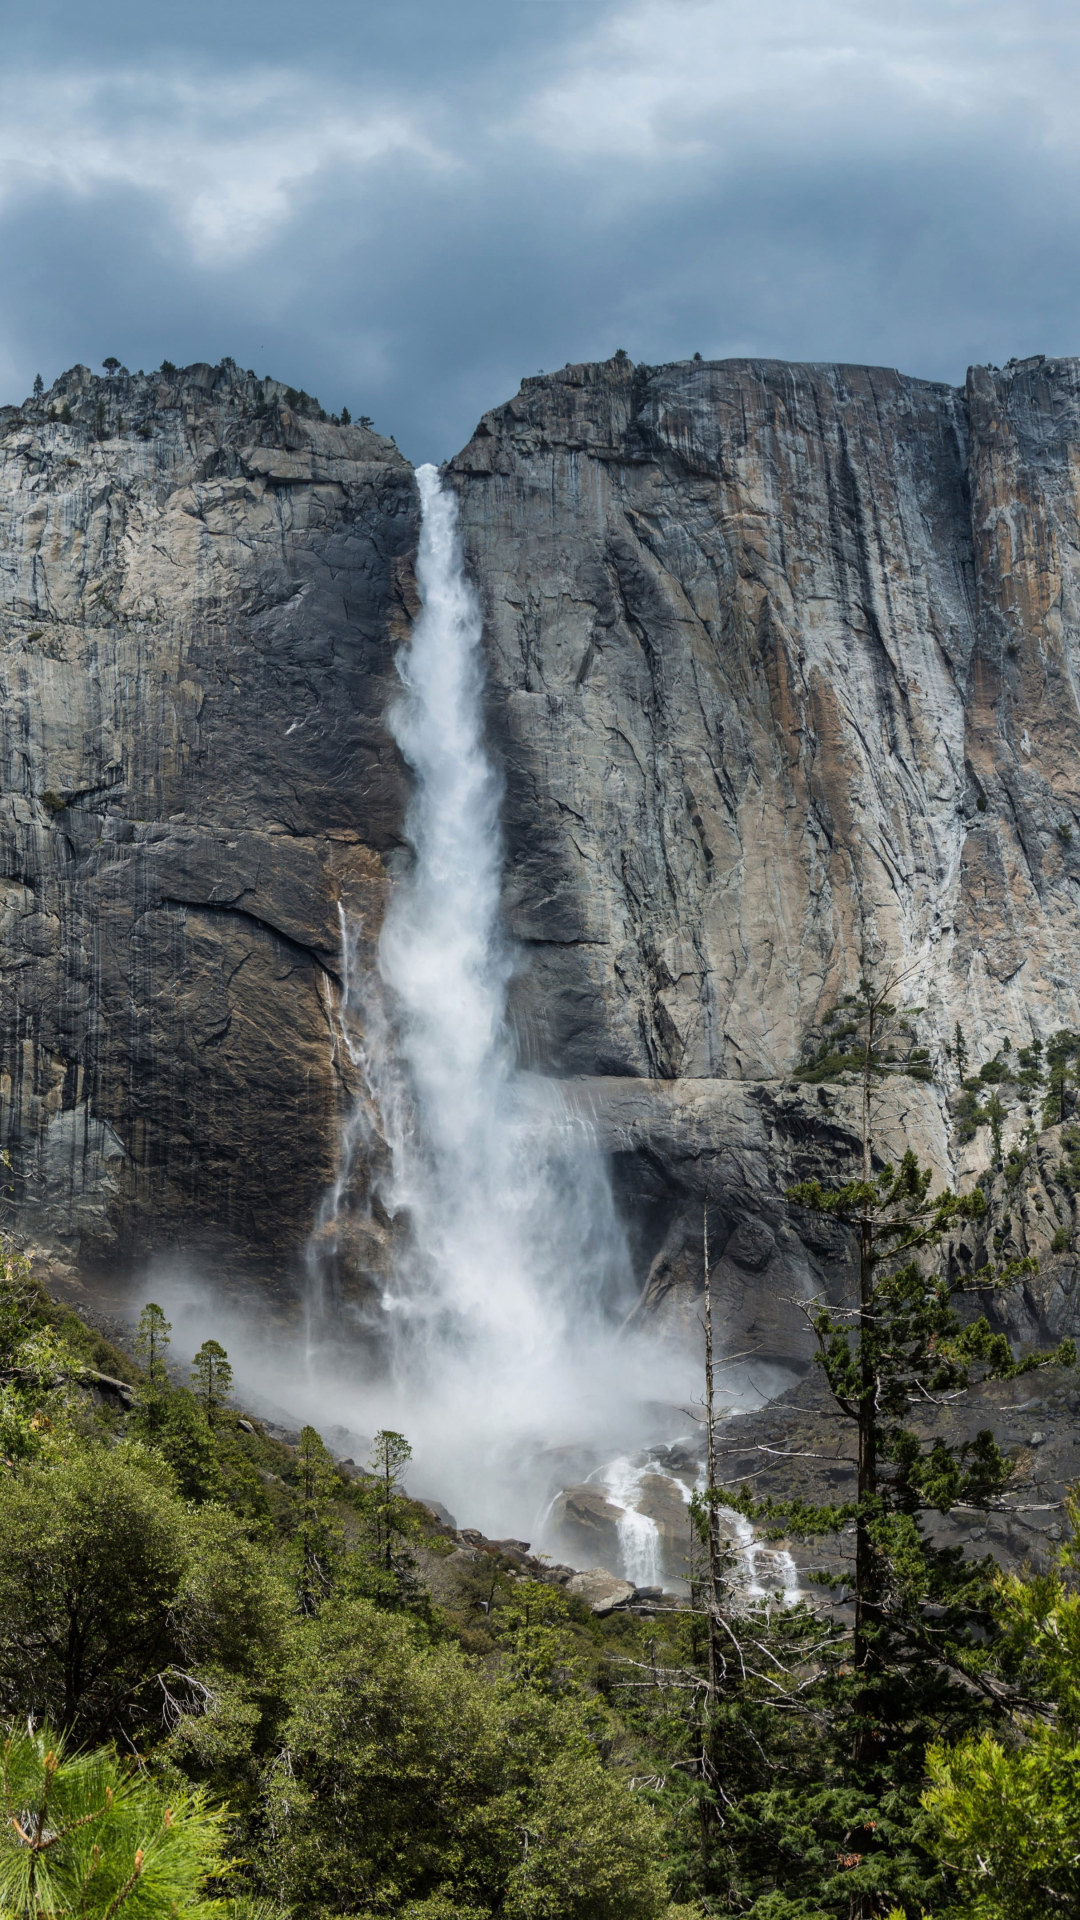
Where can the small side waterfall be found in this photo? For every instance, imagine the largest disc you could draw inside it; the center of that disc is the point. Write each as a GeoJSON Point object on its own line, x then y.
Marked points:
{"type": "Point", "coordinates": [499, 1327]}
{"type": "Point", "coordinates": [639, 1536]}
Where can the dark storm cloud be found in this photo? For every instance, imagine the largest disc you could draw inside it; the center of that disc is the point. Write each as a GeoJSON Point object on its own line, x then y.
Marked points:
{"type": "Point", "coordinates": [406, 207]}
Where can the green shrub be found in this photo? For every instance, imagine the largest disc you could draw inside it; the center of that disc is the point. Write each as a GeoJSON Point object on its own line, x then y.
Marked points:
{"type": "Point", "coordinates": [109, 1581]}
{"type": "Point", "coordinates": [406, 1775]}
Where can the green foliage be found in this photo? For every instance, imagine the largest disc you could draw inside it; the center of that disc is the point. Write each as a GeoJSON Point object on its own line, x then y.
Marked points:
{"type": "Point", "coordinates": [176, 1425]}
{"type": "Point", "coordinates": [84, 1833]}
{"type": "Point", "coordinates": [1004, 1808]}
{"type": "Point", "coordinates": [346, 417]}
{"type": "Point", "coordinates": [109, 1582]}
{"type": "Point", "coordinates": [319, 1539]}
{"type": "Point", "coordinates": [167, 367]}
{"type": "Point", "coordinates": [257, 1626]}
{"type": "Point", "coordinates": [846, 1041]}
{"type": "Point", "coordinates": [386, 1511]}
{"type": "Point", "coordinates": [211, 1377]}
{"type": "Point", "coordinates": [843, 1834]}
{"type": "Point", "coordinates": [405, 1776]}
{"type": "Point", "coordinates": [152, 1343]}
{"type": "Point", "coordinates": [961, 1051]}
{"type": "Point", "coordinates": [1062, 1054]}
{"type": "Point", "coordinates": [532, 1627]}
{"type": "Point", "coordinates": [91, 1554]}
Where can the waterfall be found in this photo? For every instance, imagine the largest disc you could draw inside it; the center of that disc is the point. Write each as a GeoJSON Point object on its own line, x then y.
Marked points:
{"type": "Point", "coordinates": [639, 1536]}
{"type": "Point", "coordinates": [499, 1325]}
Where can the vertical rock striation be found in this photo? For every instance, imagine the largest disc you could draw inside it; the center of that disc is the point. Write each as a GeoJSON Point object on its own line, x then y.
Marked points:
{"type": "Point", "coordinates": [784, 665]}
{"type": "Point", "coordinates": [784, 670]}
{"type": "Point", "coordinates": [197, 606]}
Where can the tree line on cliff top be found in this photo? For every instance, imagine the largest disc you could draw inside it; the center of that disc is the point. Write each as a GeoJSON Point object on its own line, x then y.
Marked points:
{"type": "Point", "coordinates": [241, 1679]}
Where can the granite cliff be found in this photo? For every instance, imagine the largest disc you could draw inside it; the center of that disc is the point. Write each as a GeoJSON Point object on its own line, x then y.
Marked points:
{"type": "Point", "coordinates": [197, 618]}
{"type": "Point", "coordinates": [783, 669]}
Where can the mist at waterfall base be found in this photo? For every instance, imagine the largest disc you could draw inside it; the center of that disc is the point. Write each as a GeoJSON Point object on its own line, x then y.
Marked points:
{"type": "Point", "coordinates": [499, 1345]}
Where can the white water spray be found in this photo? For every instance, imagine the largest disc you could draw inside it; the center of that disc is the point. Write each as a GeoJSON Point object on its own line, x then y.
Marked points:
{"type": "Point", "coordinates": [499, 1325]}
{"type": "Point", "coordinates": [639, 1535]}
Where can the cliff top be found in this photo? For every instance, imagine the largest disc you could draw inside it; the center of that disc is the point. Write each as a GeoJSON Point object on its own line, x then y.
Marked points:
{"type": "Point", "coordinates": [232, 403]}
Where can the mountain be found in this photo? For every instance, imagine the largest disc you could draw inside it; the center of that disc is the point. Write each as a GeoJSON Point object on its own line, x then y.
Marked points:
{"type": "Point", "coordinates": [782, 672]}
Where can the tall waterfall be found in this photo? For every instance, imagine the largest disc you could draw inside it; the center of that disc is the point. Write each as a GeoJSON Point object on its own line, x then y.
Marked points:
{"type": "Point", "coordinates": [500, 1322]}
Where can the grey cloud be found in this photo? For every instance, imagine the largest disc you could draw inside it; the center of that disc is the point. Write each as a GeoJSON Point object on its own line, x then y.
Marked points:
{"type": "Point", "coordinates": [411, 223]}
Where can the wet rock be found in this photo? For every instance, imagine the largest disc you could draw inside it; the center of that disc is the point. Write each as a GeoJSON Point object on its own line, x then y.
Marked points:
{"type": "Point", "coordinates": [585, 1523]}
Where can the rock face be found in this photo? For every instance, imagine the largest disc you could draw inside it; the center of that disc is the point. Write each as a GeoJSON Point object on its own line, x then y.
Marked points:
{"type": "Point", "coordinates": [783, 670]}
{"type": "Point", "coordinates": [198, 606]}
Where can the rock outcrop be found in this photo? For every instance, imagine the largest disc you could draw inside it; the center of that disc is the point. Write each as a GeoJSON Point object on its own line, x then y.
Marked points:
{"type": "Point", "coordinates": [198, 602]}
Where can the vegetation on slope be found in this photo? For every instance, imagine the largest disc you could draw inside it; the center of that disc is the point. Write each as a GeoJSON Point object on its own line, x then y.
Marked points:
{"type": "Point", "coordinates": [241, 1678]}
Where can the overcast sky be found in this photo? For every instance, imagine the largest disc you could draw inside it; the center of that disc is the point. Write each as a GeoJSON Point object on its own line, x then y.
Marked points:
{"type": "Point", "coordinates": [406, 205]}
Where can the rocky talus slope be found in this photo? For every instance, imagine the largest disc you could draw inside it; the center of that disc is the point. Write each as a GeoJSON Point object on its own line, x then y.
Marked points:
{"type": "Point", "coordinates": [782, 671]}
{"type": "Point", "coordinates": [198, 604]}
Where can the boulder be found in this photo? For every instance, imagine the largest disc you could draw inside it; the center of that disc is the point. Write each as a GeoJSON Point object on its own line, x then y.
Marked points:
{"type": "Point", "coordinates": [601, 1590]}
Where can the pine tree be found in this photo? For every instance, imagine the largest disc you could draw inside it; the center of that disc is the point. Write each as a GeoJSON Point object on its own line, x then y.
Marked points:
{"type": "Point", "coordinates": [920, 1612]}
{"type": "Point", "coordinates": [1061, 1065]}
{"type": "Point", "coordinates": [390, 1455]}
{"type": "Point", "coordinates": [152, 1343]}
{"type": "Point", "coordinates": [319, 1539]}
{"type": "Point", "coordinates": [87, 1834]}
{"type": "Point", "coordinates": [211, 1377]}
{"type": "Point", "coordinates": [961, 1050]}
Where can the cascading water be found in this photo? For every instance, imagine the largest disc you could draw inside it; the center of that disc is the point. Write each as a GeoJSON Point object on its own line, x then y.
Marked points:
{"type": "Point", "coordinates": [499, 1327]}
{"type": "Point", "coordinates": [639, 1536]}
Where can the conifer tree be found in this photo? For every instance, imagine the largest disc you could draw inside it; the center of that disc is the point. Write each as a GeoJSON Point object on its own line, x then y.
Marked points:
{"type": "Point", "coordinates": [390, 1455]}
{"type": "Point", "coordinates": [85, 1833]}
{"type": "Point", "coordinates": [211, 1377]}
{"type": "Point", "coordinates": [318, 1539]}
{"type": "Point", "coordinates": [961, 1050]}
{"type": "Point", "coordinates": [903, 1345]}
{"type": "Point", "coordinates": [152, 1343]}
